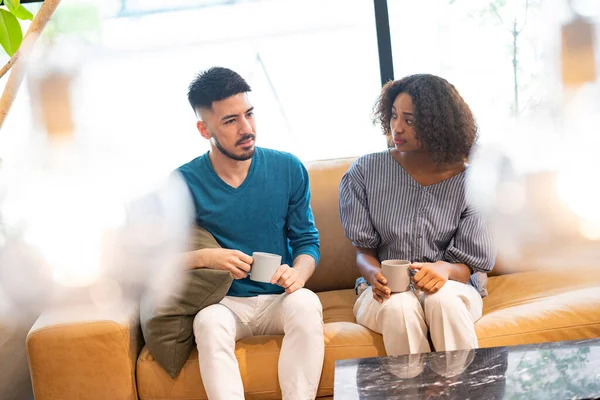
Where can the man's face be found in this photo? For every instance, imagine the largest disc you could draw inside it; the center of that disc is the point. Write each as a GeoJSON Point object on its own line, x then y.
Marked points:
{"type": "Point", "coordinates": [231, 127]}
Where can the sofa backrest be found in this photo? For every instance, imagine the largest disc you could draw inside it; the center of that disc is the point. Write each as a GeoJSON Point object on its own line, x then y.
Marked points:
{"type": "Point", "coordinates": [337, 267]}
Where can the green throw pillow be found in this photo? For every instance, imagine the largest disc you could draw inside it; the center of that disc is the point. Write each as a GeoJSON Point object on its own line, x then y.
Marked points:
{"type": "Point", "coordinates": [168, 328]}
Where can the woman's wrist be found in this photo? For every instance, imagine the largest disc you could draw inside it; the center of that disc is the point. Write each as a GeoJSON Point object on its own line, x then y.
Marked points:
{"type": "Point", "coordinates": [458, 272]}
{"type": "Point", "coordinates": [373, 273]}
{"type": "Point", "coordinates": [448, 266]}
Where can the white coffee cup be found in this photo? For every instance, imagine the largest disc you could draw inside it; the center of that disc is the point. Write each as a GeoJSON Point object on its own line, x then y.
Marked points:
{"type": "Point", "coordinates": [264, 266]}
{"type": "Point", "coordinates": [397, 273]}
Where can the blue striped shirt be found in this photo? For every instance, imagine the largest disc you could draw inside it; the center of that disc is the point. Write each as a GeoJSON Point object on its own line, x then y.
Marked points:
{"type": "Point", "coordinates": [382, 207]}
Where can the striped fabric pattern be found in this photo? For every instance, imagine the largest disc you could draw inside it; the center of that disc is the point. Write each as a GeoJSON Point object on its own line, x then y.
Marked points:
{"type": "Point", "coordinates": [383, 207]}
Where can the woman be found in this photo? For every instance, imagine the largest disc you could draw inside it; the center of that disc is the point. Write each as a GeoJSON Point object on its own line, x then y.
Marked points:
{"type": "Point", "coordinates": [409, 203]}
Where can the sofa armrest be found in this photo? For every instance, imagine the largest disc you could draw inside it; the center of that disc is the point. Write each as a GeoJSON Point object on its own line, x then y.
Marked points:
{"type": "Point", "coordinates": [78, 354]}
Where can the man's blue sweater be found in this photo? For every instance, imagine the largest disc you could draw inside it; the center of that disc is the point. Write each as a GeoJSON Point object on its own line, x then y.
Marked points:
{"type": "Point", "coordinates": [269, 212]}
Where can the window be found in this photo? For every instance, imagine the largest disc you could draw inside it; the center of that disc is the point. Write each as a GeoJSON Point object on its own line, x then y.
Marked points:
{"type": "Point", "coordinates": [470, 43]}
{"type": "Point", "coordinates": [313, 66]}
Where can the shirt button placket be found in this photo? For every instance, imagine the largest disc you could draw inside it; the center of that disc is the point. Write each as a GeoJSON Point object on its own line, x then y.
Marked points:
{"type": "Point", "coordinates": [419, 225]}
{"type": "Point", "coordinates": [421, 216]}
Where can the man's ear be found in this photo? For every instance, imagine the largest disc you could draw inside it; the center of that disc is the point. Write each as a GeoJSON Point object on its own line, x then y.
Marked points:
{"type": "Point", "coordinates": [201, 125]}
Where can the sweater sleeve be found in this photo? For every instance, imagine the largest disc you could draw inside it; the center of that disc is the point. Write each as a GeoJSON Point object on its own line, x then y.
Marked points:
{"type": "Point", "coordinates": [301, 230]}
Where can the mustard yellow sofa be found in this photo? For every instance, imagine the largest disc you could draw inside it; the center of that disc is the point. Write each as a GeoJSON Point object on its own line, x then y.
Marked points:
{"type": "Point", "coordinates": [93, 357]}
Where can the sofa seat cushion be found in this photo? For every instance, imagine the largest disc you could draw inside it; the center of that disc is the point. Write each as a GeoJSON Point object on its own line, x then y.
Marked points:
{"type": "Point", "coordinates": [541, 306]}
{"type": "Point", "coordinates": [344, 338]}
{"type": "Point", "coordinates": [522, 308]}
{"type": "Point", "coordinates": [257, 357]}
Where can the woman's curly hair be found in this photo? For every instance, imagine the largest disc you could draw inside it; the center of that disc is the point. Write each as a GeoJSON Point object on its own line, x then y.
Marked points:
{"type": "Point", "coordinates": [444, 124]}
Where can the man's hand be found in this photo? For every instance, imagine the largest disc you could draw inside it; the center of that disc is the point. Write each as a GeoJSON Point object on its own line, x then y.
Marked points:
{"type": "Point", "coordinates": [431, 276]}
{"type": "Point", "coordinates": [288, 278]}
{"type": "Point", "coordinates": [234, 261]}
{"type": "Point", "coordinates": [380, 290]}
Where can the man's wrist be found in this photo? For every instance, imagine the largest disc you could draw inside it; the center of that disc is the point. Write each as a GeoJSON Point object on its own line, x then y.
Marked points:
{"type": "Point", "coordinates": [304, 264]}
{"type": "Point", "coordinates": [303, 273]}
{"type": "Point", "coordinates": [200, 258]}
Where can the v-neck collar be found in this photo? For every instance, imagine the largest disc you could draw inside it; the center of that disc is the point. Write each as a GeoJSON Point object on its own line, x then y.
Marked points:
{"type": "Point", "coordinates": [226, 185]}
{"type": "Point", "coordinates": [414, 181]}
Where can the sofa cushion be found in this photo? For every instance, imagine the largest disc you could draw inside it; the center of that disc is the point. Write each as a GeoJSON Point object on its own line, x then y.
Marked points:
{"type": "Point", "coordinates": [167, 327]}
{"type": "Point", "coordinates": [541, 306]}
{"type": "Point", "coordinates": [257, 357]}
{"type": "Point", "coordinates": [337, 266]}
{"type": "Point", "coordinates": [521, 308]}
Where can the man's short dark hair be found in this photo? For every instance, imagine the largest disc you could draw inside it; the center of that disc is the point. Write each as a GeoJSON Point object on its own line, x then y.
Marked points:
{"type": "Point", "coordinates": [214, 84]}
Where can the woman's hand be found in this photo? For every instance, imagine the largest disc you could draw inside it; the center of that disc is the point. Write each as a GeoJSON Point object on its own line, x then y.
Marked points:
{"type": "Point", "coordinates": [431, 277]}
{"type": "Point", "coordinates": [380, 290]}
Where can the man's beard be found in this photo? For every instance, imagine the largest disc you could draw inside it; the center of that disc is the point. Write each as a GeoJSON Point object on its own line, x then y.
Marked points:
{"type": "Point", "coordinates": [242, 157]}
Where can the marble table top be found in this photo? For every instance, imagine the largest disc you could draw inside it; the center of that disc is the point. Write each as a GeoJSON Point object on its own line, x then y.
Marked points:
{"type": "Point", "coordinates": [560, 370]}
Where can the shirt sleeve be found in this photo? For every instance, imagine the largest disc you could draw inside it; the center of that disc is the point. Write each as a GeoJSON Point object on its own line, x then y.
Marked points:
{"type": "Point", "coordinates": [472, 243]}
{"type": "Point", "coordinates": [354, 210]}
{"type": "Point", "coordinates": [301, 230]}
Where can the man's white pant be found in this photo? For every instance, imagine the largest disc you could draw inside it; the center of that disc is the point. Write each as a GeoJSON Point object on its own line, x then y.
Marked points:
{"type": "Point", "coordinates": [298, 316]}
{"type": "Point", "coordinates": [403, 319]}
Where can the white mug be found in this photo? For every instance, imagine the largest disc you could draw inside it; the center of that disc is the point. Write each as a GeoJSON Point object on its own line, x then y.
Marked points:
{"type": "Point", "coordinates": [397, 273]}
{"type": "Point", "coordinates": [264, 266]}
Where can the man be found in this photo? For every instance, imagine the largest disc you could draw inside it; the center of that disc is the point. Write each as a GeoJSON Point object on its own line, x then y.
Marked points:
{"type": "Point", "coordinates": [252, 199]}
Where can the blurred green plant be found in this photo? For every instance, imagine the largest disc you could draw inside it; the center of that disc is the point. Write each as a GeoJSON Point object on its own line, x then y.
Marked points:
{"type": "Point", "coordinates": [11, 34]}
{"type": "Point", "coordinates": [12, 40]}
{"type": "Point", "coordinates": [76, 18]}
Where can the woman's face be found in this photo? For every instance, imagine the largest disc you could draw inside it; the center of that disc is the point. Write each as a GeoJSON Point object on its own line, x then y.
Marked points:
{"type": "Point", "coordinates": [402, 124]}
